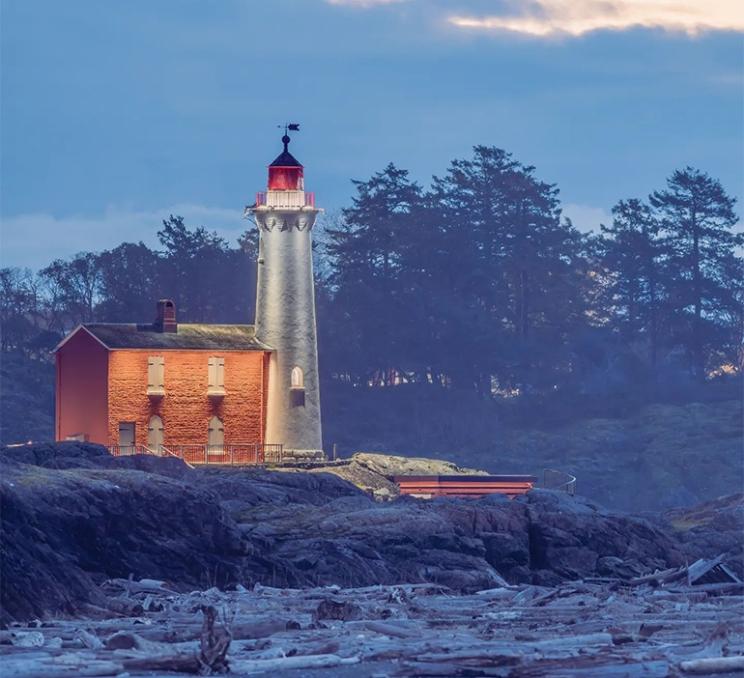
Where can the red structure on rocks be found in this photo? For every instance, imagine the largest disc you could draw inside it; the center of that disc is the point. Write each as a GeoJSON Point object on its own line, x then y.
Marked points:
{"type": "Point", "coordinates": [426, 487]}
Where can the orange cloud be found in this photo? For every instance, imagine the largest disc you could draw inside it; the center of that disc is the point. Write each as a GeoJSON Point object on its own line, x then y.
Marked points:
{"type": "Point", "coordinates": [546, 18]}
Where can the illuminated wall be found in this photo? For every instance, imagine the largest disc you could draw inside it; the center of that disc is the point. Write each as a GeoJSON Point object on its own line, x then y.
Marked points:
{"type": "Point", "coordinates": [186, 408]}
{"type": "Point", "coordinates": [285, 320]}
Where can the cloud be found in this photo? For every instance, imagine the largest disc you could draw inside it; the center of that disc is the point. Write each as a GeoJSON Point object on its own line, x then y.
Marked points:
{"type": "Point", "coordinates": [363, 3]}
{"type": "Point", "coordinates": [549, 18]}
{"type": "Point", "coordinates": [585, 217]}
{"type": "Point", "coordinates": [34, 240]}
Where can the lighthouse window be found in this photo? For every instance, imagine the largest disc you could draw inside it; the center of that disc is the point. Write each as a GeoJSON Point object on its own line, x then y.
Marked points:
{"type": "Point", "coordinates": [156, 375]}
{"type": "Point", "coordinates": [216, 376]}
{"type": "Point", "coordinates": [296, 378]}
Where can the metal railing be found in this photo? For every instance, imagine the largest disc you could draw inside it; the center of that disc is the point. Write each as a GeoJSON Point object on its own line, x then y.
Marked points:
{"type": "Point", "coordinates": [285, 199]}
{"type": "Point", "coordinates": [128, 450]}
{"type": "Point", "coordinates": [233, 454]}
{"type": "Point", "coordinates": [559, 481]}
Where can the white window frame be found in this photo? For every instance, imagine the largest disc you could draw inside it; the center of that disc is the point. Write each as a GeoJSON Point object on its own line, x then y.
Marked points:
{"type": "Point", "coordinates": [297, 378]}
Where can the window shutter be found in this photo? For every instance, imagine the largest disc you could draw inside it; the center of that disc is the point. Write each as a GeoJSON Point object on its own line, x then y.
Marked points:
{"type": "Point", "coordinates": [220, 372]}
{"type": "Point", "coordinates": [216, 373]}
{"type": "Point", "coordinates": [212, 373]}
{"type": "Point", "coordinates": [155, 372]}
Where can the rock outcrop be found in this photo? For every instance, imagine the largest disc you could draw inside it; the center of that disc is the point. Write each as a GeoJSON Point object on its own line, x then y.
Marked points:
{"type": "Point", "coordinates": [709, 529]}
{"type": "Point", "coordinates": [74, 516]}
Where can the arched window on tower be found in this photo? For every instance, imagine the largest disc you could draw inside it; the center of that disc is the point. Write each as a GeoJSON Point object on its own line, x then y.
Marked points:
{"type": "Point", "coordinates": [297, 387]}
{"type": "Point", "coordinates": [297, 378]}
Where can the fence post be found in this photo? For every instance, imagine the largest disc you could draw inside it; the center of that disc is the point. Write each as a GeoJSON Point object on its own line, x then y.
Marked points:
{"type": "Point", "coordinates": [206, 453]}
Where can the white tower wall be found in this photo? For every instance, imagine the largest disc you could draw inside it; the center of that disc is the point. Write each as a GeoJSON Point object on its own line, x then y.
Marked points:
{"type": "Point", "coordinates": [285, 320]}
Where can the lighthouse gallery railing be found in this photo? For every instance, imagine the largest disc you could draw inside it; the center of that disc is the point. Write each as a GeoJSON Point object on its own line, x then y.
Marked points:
{"type": "Point", "coordinates": [279, 199]}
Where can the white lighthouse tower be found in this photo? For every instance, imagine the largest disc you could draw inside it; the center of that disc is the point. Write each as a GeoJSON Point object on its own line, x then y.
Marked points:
{"type": "Point", "coordinates": [285, 306]}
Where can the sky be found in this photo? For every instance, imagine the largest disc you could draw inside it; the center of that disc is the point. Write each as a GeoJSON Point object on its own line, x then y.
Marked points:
{"type": "Point", "coordinates": [116, 114]}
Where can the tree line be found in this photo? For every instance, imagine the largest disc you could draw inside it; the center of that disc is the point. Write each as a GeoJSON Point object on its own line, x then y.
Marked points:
{"type": "Point", "coordinates": [199, 270]}
{"type": "Point", "coordinates": [475, 282]}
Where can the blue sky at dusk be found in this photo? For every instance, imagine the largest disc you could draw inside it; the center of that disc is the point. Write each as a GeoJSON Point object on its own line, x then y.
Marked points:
{"type": "Point", "coordinates": [115, 114]}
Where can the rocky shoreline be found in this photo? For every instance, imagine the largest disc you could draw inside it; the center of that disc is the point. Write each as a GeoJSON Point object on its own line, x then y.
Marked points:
{"type": "Point", "coordinates": [80, 529]}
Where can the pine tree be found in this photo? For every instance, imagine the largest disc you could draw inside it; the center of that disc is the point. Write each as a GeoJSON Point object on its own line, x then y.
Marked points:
{"type": "Point", "coordinates": [697, 219]}
{"type": "Point", "coordinates": [513, 265]}
{"type": "Point", "coordinates": [367, 251]}
{"type": "Point", "coordinates": [632, 255]}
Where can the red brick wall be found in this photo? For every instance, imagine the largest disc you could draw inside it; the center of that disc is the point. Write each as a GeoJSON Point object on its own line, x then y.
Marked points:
{"type": "Point", "coordinates": [185, 408]}
{"type": "Point", "coordinates": [82, 370]}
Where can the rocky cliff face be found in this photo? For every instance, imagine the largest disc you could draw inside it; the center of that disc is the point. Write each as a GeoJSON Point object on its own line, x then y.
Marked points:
{"type": "Point", "coordinates": [74, 516]}
{"type": "Point", "coordinates": [712, 528]}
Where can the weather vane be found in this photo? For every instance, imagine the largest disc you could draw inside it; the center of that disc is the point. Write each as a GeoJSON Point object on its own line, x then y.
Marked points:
{"type": "Point", "coordinates": [288, 127]}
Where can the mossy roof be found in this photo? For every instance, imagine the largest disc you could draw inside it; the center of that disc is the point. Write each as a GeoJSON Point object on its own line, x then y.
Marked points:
{"type": "Point", "coordinates": [189, 336]}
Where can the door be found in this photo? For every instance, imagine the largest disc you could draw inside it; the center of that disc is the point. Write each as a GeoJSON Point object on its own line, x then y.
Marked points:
{"type": "Point", "coordinates": [216, 436]}
{"type": "Point", "coordinates": [155, 434]}
{"type": "Point", "coordinates": [126, 437]}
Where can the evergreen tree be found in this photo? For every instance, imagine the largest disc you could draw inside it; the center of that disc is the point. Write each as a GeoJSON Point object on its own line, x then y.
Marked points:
{"type": "Point", "coordinates": [697, 219]}
{"type": "Point", "coordinates": [632, 255]}
{"type": "Point", "coordinates": [201, 273]}
{"type": "Point", "coordinates": [129, 283]}
{"type": "Point", "coordinates": [514, 264]}
{"type": "Point", "coordinates": [367, 252]}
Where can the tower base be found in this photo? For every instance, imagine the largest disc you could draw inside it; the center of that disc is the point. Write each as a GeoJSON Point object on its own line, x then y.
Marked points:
{"type": "Point", "coordinates": [303, 455]}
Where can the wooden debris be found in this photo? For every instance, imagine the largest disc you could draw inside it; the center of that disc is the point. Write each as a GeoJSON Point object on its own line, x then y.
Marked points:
{"type": "Point", "coordinates": [215, 641]}
{"type": "Point", "coordinates": [714, 665]}
{"type": "Point", "coordinates": [701, 572]}
{"type": "Point", "coordinates": [711, 572]}
{"type": "Point", "coordinates": [579, 629]}
{"type": "Point", "coordinates": [317, 661]}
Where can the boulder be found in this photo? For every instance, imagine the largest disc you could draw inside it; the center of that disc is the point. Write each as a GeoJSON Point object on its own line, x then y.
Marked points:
{"type": "Point", "coordinates": [569, 536]}
{"type": "Point", "coordinates": [710, 529]}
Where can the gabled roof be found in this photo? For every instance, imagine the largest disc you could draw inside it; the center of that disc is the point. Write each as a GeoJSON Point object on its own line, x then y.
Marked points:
{"type": "Point", "coordinates": [189, 336]}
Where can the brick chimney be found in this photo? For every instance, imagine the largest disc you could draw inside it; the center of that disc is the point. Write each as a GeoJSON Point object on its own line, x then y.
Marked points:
{"type": "Point", "coordinates": [165, 321]}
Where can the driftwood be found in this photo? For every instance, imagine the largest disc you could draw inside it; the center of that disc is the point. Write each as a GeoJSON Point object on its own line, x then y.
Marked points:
{"type": "Point", "coordinates": [317, 661]}
{"type": "Point", "coordinates": [580, 629]}
{"type": "Point", "coordinates": [215, 641]}
{"type": "Point", "coordinates": [714, 665]}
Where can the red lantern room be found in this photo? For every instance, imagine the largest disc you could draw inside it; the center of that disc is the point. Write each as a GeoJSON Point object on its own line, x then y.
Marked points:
{"type": "Point", "coordinates": [286, 173]}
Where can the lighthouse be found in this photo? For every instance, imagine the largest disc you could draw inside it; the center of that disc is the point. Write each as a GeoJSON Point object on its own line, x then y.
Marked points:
{"type": "Point", "coordinates": [285, 306]}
